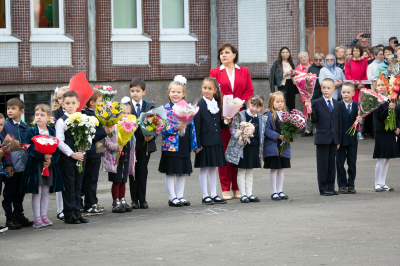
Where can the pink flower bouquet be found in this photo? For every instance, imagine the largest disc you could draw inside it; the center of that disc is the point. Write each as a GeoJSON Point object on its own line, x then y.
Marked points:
{"type": "Point", "coordinates": [245, 131]}
{"type": "Point", "coordinates": [125, 130]}
{"type": "Point", "coordinates": [153, 122]}
{"type": "Point", "coordinates": [184, 113]}
{"type": "Point", "coordinates": [291, 124]}
{"type": "Point", "coordinates": [107, 91]}
{"type": "Point", "coordinates": [306, 83]}
{"type": "Point", "coordinates": [231, 106]}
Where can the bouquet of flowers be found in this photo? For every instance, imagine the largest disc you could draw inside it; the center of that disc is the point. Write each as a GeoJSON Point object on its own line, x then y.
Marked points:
{"type": "Point", "coordinates": [83, 128]}
{"type": "Point", "coordinates": [184, 113]}
{"type": "Point", "coordinates": [125, 130]}
{"type": "Point", "coordinates": [109, 113]}
{"type": "Point", "coordinates": [393, 87]}
{"type": "Point", "coordinates": [152, 122]}
{"type": "Point", "coordinates": [368, 101]}
{"type": "Point", "coordinates": [45, 144]}
{"type": "Point", "coordinates": [107, 91]}
{"type": "Point", "coordinates": [230, 107]}
{"type": "Point", "coordinates": [290, 124]}
{"type": "Point", "coordinates": [10, 145]}
{"type": "Point", "coordinates": [306, 83]}
{"type": "Point", "coordinates": [245, 131]}
{"type": "Point", "coordinates": [51, 123]}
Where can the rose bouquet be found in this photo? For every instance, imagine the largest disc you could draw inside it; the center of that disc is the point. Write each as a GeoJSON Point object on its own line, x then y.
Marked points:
{"type": "Point", "coordinates": [291, 124]}
{"type": "Point", "coordinates": [153, 121]}
{"type": "Point", "coordinates": [245, 131]}
{"type": "Point", "coordinates": [10, 145]}
{"type": "Point", "coordinates": [109, 113]}
{"type": "Point", "coordinates": [368, 101]}
{"type": "Point", "coordinates": [125, 130]}
{"type": "Point", "coordinates": [83, 129]}
{"type": "Point", "coordinates": [231, 107]}
{"type": "Point", "coordinates": [45, 144]}
{"type": "Point", "coordinates": [107, 91]}
{"type": "Point", "coordinates": [184, 113]}
{"type": "Point", "coordinates": [393, 87]}
{"type": "Point", "coordinates": [306, 83]}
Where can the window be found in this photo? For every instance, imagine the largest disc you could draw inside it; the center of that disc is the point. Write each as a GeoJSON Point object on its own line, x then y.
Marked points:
{"type": "Point", "coordinates": [31, 100]}
{"type": "Point", "coordinates": [4, 97]}
{"type": "Point", "coordinates": [127, 17]}
{"type": "Point", "coordinates": [5, 20]}
{"type": "Point", "coordinates": [174, 17]}
{"type": "Point", "coordinates": [47, 17]}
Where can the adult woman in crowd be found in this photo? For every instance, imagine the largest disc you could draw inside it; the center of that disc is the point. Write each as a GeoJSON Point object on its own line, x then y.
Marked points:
{"type": "Point", "coordinates": [304, 62]}
{"type": "Point", "coordinates": [340, 52]}
{"type": "Point", "coordinates": [281, 75]}
{"type": "Point", "coordinates": [378, 59]}
{"type": "Point", "coordinates": [319, 61]}
{"type": "Point", "coordinates": [388, 61]}
{"type": "Point", "coordinates": [330, 70]}
{"type": "Point", "coordinates": [236, 81]}
{"type": "Point", "coordinates": [356, 69]}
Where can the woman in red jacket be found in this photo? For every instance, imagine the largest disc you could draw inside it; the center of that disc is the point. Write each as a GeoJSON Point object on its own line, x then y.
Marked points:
{"type": "Point", "coordinates": [236, 81]}
{"type": "Point", "coordinates": [356, 69]}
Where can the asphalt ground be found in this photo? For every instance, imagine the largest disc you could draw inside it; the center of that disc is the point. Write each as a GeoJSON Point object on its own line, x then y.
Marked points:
{"type": "Point", "coordinates": [308, 229]}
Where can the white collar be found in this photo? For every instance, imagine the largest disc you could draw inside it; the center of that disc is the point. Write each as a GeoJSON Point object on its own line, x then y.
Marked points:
{"type": "Point", "coordinates": [384, 97]}
{"type": "Point", "coordinates": [250, 114]}
{"type": "Point", "coordinates": [279, 114]}
{"type": "Point", "coordinates": [16, 122]}
{"type": "Point", "coordinates": [212, 105]}
{"type": "Point", "coordinates": [326, 99]}
{"type": "Point", "coordinates": [135, 103]}
{"type": "Point", "coordinates": [43, 132]}
{"type": "Point", "coordinates": [347, 104]}
{"type": "Point", "coordinates": [222, 67]}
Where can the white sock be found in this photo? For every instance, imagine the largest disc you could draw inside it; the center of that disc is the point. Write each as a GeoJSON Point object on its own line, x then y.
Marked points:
{"type": "Point", "coordinates": [60, 204]}
{"type": "Point", "coordinates": [249, 182]}
{"type": "Point", "coordinates": [169, 184]}
{"type": "Point", "coordinates": [212, 177]}
{"type": "Point", "coordinates": [272, 180]}
{"type": "Point", "coordinates": [44, 201]}
{"type": "Point", "coordinates": [379, 170]}
{"type": "Point", "coordinates": [384, 172]}
{"type": "Point", "coordinates": [241, 180]}
{"type": "Point", "coordinates": [203, 180]}
{"type": "Point", "coordinates": [279, 180]}
{"type": "Point", "coordinates": [180, 186]}
{"type": "Point", "coordinates": [36, 203]}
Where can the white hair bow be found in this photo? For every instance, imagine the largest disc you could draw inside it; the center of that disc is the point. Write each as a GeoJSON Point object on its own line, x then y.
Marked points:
{"type": "Point", "coordinates": [181, 79]}
{"type": "Point", "coordinates": [125, 99]}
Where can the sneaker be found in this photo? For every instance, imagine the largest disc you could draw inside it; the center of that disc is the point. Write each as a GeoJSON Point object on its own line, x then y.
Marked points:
{"type": "Point", "coordinates": [38, 223]}
{"type": "Point", "coordinates": [305, 134]}
{"type": "Point", "coordinates": [100, 207]}
{"type": "Point", "coordinates": [352, 190]}
{"type": "Point", "coordinates": [46, 221]}
{"type": "Point", "coordinates": [343, 190]}
{"type": "Point", "coordinates": [93, 211]}
{"type": "Point", "coordinates": [24, 221]}
{"type": "Point", "coordinates": [386, 188]}
{"type": "Point", "coordinates": [13, 224]}
{"type": "Point", "coordinates": [60, 216]}
{"type": "Point", "coordinates": [378, 188]}
{"type": "Point", "coordinates": [359, 135]}
{"type": "Point", "coordinates": [3, 229]}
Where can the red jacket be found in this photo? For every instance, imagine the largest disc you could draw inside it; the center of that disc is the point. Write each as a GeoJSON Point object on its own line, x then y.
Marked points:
{"type": "Point", "coordinates": [356, 71]}
{"type": "Point", "coordinates": [243, 87]}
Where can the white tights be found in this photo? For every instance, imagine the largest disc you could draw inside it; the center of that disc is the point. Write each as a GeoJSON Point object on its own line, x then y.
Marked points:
{"type": "Point", "coordinates": [245, 182]}
{"type": "Point", "coordinates": [212, 178]}
{"type": "Point", "coordinates": [276, 177]}
{"type": "Point", "coordinates": [40, 201]}
{"type": "Point", "coordinates": [180, 186]}
{"type": "Point", "coordinates": [60, 204]}
{"type": "Point", "coordinates": [381, 169]}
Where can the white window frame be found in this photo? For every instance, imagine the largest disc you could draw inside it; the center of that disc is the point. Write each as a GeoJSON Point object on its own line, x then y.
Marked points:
{"type": "Point", "coordinates": [128, 31]}
{"type": "Point", "coordinates": [50, 31]}
{"type": "Point", "coordinates": [7, 30]}
{"type": "Point", "coordinates": [186, 17]}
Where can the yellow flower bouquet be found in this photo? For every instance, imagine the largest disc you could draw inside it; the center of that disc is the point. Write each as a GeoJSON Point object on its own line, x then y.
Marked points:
{"type": "Point", "coordinates": [109, 113]}
{"type": "Point", "coordinates": [125, 130]}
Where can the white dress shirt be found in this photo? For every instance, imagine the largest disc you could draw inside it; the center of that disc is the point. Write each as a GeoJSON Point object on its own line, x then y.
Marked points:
{"type": "Point", "coordinates": [249, 113]}
{"type": "Point", "coordinates": [347, 105]}
{"type": "Point", "coordinates": [231, 78]}
{"type": "Point", "coordinates": [60, 130]}
{"type": "Point", "coordinates": [135, 103]}
{"type": "Point", "coordinates": [279, 114]}
{"type": "Point", "coordinates": [326, 101]}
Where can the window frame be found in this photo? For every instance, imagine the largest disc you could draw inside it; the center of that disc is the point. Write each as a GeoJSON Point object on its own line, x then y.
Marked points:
{"type": "Point", "coordinates": [127, 31]}
{"type": "Point", "coordinates": [50, 31]}
{"type": "Point", "coordinates": [7, 29]}
{"type": "Point", "coordinates": [177, 31]}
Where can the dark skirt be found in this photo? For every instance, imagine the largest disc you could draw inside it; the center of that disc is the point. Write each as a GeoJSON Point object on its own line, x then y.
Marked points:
{"type": "Point", "coordinates": [289, 91]}
{"type": "Point", "coordinates": [385, 145]}
{"type": "Point", "coordinates": [276, 162]}
{"type": "Point", "coordinates": [175, 165]}
{"type": "Point", "coordinates": [122, 173]}
{"type": "Point", "coordinates": [45, 180]}
{"type": "Point", "coordinates": [250, 158]}
{"type": "Point", "coordinates": [210, 156]}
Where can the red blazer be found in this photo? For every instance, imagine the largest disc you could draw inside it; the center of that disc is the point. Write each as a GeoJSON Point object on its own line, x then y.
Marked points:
{"type": "Point", "coordinates": [243, 86]}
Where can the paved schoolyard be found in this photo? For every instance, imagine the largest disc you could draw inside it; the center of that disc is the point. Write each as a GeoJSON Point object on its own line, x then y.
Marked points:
{"type": "Point", "coordinates": [359, 229]}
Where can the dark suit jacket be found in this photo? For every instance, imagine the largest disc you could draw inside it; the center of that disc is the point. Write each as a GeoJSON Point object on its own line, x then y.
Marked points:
{"type": "Point", "coordinates": [329, 125]}
{"type": "Point", "coordinates": [347, 122]}
{"type": "Point", "coordinates": [151, 145]}
{"type": "Point", "coordinates": [208, 126]}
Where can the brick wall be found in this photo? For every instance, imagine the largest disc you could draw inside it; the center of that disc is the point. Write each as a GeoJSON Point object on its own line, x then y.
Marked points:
{"type": "Point", "coordinates": [76, 26]}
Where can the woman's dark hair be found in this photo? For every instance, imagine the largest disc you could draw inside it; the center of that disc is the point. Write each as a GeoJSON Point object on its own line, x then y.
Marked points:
{"type": "Point", "coordinates": [290, 59]}
{"type": "Point", "coordinates": [217, 95]}
{"type": "Point", "coordinates": [359, 48]}
{"type": "Point", "coordinates": [390, 48]}
{"type": "Point", "coordinates": [233, 49]}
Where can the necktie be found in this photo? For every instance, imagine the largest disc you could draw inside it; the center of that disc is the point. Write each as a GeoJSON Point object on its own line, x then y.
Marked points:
{"type": "Point", "coordinates": [330, 106]}
{"type": "Point", "coordinates": [138, 111]}
{"type": "Point", "coordinates": [348, 109]}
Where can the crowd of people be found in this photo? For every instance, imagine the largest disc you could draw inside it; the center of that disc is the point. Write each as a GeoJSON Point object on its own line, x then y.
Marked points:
{"type": "Point", "coordinates": [212, 137]}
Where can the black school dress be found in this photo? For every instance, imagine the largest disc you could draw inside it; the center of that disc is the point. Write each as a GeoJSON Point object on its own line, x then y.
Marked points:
{"type": "Point", "coordinates": [385, 141]}
{"type": "Point", "coordinates": [251, 158]}
{"type": "Point", "coordinates": [178, 163]}
{"type": "Point", "coordinates": [121, 176]}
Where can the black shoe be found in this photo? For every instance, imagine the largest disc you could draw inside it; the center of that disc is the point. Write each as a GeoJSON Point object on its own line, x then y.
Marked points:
{"type": "Point", "coordinates": [244, 199]}
{"type": "Point", "coordinates": [305, 134]}
{"type": "Point", "coordinates": [135, 205]}
{"type": "Point", "coordinates": [335, 192]}
{"type": "Point", "coordinates": [218, 200]}
{"type": "Point", "coordinates": [24, 221]}
{"type": "Point", "coordinates": [125, 206]}
{"type": "Point", "coordinates": [13, 225]}
{"type": "Point", "coordinates": [71, 220]}
{"type": "Point", "coordinates": [172, 204]}
{"type": "Point", "coordinates": [254, 199]}
{"type": "Point", "coordinates": [81, 219]}
{"type": "Point", "coordinates": [275, 198]}
{"type": "Point", "coordinates": [207, 202]}
{"type": "Point", "coordinates": [60, 216]}
{"type": "Point", "coordinates": [184, 202]}
{"type": "Point", "coordinates": [326, 193]}
{"type": "Point", "coordinates": [144, 205]}
{"type": "Point", "coordinates": [343, 190]}
{"type": "Point", "coordinates": [117, 207]}
{"type": "Point", "coordinates": [352, 190]}
{"type": "Point", "coordinates": [283, 196]}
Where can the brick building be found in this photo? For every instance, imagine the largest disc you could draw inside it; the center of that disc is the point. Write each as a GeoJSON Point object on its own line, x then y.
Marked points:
{"type": "Point", "coordinates": [43, 43]}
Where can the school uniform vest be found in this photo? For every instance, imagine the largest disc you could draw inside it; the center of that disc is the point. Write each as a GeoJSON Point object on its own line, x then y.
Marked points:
{"type": "Point", "coordinates": [69, 139]}
{"type": "Point", "coordinates": [255, 139]}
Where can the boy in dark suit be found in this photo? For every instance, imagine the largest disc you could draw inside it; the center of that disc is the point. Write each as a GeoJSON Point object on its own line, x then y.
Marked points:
{"type": "Point", "coordinates": [348, 145]}
{"type": "Point", "coordinates": [326, 114]}
{"type": "Point", "coordinates": [145, 145]}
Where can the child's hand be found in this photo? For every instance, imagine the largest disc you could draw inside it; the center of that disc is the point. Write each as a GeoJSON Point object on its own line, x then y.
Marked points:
{"type": "Point", "coordinates": [1, 153]}
{"type": "Point", "coordinates": [359, 119]}
{"type": "Point", "coordinates": [338, 146]}
{"type": "Point", "coordinates": [148, 138]}
{"type": "Point", "coordinates": [10, 171]}
{"type": "Point", "coordinates": [181, 126]}
{"type": "Point", "coordinates": [108, 130]}
{"type": "Point", "coordinates": [307, 103]}
{"type": "Point", "coordinates": [47, 157]}
{"type": "Point", "coordinates": [199, 150]}
{"type": "Point", "coordinates": [120, 148]}
{"type": "Point", "coordinates": [78, 156]}
{"type": "Point", "coordinates": [392, 106]}
{"type": "Point", "coordinates": [228, 120]}
{"type": "Point", "coordinates": [46, 164]}
{"type": "Point", "coordinates": [281, 137]}
{"type": "Point", "coordinates": [397, 131]}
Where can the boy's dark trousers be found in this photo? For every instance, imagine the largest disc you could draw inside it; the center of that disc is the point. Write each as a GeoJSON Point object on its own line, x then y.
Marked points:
{"type": "Point", "coordinates": [72, 182]}
{"type": "Point", "coordinates": [350, 153]}
{"type": "Point", "coordinates": [89, 181]}
{"type": "Point", "coordinates": [13, 198]}
{"type": "Point", "coordinates": [326, 166]}
{"type": "Point", "coordinates": [138, 183]}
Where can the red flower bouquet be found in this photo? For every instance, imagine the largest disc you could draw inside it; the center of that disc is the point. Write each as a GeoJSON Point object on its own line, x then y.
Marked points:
{"type": "Point", "coordinates": [45, 144]}
{"type": "Point", "coordinates": [306, 83]}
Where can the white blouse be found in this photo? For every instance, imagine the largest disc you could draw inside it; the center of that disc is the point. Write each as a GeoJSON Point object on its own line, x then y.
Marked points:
{"type": "Point", "coordinates": [231, 77]}
{"type": "Point", "coordinates": [212, 105]}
